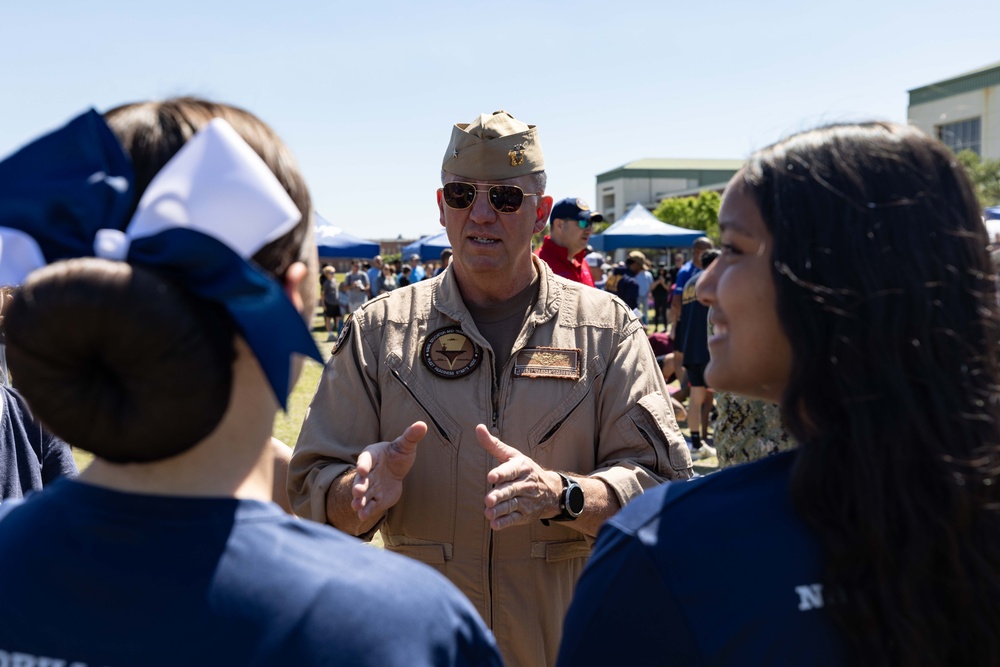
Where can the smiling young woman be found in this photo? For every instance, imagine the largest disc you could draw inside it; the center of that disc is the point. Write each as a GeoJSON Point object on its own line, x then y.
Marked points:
{"type": "Point", "coordinates": [856, 291]}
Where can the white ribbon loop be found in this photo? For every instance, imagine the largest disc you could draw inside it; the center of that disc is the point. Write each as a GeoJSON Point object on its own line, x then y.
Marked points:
{"type": "Point", "coordinates": [19, 256]}
{"type": "Point", "coordinates": [217, 185]}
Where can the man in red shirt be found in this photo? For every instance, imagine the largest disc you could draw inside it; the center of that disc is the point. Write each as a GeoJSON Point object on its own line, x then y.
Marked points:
{"type": "Point", "coordinates": [564, 249]}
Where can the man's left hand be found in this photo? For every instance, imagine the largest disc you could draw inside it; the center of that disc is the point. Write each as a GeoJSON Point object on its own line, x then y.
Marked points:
{"type": "Point", "coordinates": [523, 491]}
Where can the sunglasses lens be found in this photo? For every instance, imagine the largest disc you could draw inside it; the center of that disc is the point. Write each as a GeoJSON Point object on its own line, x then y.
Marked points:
{"type": "Point", "coordinates": [506, 198]}
{"type": "Point", "coordinates": [458, 195]}
{"type": "Point", "coordinates": [584, 224]}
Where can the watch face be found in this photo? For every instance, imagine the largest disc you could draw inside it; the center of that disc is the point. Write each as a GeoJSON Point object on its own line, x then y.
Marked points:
{"type": "Point", "coordinates": [574, 499]}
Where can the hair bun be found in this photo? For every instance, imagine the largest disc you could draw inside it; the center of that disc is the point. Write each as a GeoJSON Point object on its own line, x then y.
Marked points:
{"type": "Point", "coordinates": [117, 360]}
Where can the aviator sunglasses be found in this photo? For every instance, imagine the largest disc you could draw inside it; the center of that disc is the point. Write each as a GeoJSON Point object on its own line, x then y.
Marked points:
{"type": "Point", "coordinates": [503, 198]}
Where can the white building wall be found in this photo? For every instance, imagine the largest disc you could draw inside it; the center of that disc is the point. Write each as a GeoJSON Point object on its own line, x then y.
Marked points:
{"type": "Point", "coordinates": [625, 192]}
{"type": "Point", "coordinates": [983, 103]}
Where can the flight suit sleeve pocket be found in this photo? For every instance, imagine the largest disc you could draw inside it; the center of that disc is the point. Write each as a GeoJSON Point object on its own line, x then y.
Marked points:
{"type": "Point", "coordinates": [558, 551]}
{"type": "Point", "coordinates": [429, 552]}
{"type": "Point", "coordinates": [650, 426]}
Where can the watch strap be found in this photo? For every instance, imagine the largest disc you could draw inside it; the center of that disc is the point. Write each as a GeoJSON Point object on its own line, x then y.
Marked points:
{"type": "Point", "coordinates": [564, 514]}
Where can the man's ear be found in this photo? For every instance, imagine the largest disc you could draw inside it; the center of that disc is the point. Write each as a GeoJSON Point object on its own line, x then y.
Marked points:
{"type": "Point", "coordinates": [542, 213]}
{"type": "Point", "coordinates": [440, 200]}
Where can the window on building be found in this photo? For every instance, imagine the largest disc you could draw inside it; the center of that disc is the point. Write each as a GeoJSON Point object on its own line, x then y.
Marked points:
{"type": "Point", "coordinates": [607, 205]}
{"type": "Point", "coordinates": [961, 136]}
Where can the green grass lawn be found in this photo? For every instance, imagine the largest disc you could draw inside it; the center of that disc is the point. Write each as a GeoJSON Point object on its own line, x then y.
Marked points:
{"type": "Point", "coordinates": [287, 424]}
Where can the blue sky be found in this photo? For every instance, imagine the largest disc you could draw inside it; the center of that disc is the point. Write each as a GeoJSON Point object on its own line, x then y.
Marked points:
{"type": "Point", "coordinates": [365, 93]}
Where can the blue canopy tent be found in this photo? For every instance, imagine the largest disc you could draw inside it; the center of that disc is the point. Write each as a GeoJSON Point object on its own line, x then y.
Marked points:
{"type": "Point", "coordinates": [332, 241]}
{"type": "Point", "coordinates": [992, 213]}
{"type": "Point", "coordinates": [641, 229]}
{"type": "Point", "coordinates": [428, 247]}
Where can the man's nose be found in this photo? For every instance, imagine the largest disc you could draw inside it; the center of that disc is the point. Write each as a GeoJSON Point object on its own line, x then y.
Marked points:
{"type": "Point", "coordinates": [482, 212]}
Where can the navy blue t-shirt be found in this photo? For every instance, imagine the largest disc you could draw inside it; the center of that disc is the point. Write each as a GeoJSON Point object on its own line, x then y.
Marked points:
{"type": "Point", "coordinates": [98, 578]}
{"type": "Point", "coordinates": [628, 288]}
{"type": "Point", "coordinates": [694, 321]}
{"type": "Point", "coordinates": [30, 457]}
{"type": "Point", "coordinates": [713, 571]}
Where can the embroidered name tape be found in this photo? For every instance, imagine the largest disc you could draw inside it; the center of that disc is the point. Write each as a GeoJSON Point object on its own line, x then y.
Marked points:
{"type": "Point", "coordinates": [548, 362]}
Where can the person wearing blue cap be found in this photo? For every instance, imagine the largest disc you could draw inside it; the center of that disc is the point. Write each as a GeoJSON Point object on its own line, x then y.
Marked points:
{"type": "Point", "coordinates": [175, 236]}
{"type": "Point", "coordinates": [564, 248]}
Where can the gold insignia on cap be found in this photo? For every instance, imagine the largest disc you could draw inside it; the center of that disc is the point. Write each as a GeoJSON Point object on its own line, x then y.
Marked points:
{"type": "Point", "coordinates": [548, 362]}
{"type": "Point", "coordinates": [450, 354]}
{"type": "Point", "coordinates": [493, 146]}
{"type": "Point", "coordinates": [516, 155]}
{"type": "Point", "coordinates": [582, 205]}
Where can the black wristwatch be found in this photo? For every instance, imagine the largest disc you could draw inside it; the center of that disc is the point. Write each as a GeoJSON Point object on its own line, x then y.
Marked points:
{"type": "Point", "coordinates": [570, 502]}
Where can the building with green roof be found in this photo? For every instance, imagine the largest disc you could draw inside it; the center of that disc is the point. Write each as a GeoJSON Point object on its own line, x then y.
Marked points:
{"type": "Point", "coordinates": [963, 111]}
{"type": "Point", "coordinates": [649, 180]}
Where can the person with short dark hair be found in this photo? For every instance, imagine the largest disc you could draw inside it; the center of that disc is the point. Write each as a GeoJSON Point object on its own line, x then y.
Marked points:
{"type": "Point", "coordinates": [684, 274]}
{"type": "Point", "coordinates": [168, 550]}
{"type": "Point", "coordinates": [855, 291]}
{"type": "Point", "coordinates": [694, 353]}
{"type": "Point", "coordinates": [661, 290]}
{"type": "Point", "coordinates": [627, 287]}
{"type": "Point", "coordinates": [445, 260]}
{"type": "Point", "coordinates": [405, 276]}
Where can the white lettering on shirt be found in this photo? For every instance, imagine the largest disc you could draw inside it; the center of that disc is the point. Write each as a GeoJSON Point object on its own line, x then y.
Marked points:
{"type": "Point", "coordinates": [28, 660]}
{"type": "Point", "coordinates": [810, 597]}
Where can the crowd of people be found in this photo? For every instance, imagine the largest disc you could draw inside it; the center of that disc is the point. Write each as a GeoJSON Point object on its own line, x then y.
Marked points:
{"type": "Point", "coordinates": [504, 422]}
{"type": "Point", "coordinates": [366, 280]}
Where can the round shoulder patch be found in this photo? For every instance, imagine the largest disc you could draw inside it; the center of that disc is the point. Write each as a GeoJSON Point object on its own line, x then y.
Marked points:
{"type": "Point", "coordinates": [450, 354]}
{"type": "Point", "coordinates": [345, 334]}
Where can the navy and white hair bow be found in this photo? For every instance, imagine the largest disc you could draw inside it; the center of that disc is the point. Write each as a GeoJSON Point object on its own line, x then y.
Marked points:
{"type": "Point", "coordinates": [202, 218]}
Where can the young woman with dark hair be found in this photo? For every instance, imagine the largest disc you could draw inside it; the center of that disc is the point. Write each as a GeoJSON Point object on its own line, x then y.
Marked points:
{"type": "Point", "coordinates": [855, 290]}
{"type": "Point", "coordinates": [167, 549]}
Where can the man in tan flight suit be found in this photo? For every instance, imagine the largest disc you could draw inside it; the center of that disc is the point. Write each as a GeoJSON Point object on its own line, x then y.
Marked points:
{"type": "Point", "coordinates": [489, 419]}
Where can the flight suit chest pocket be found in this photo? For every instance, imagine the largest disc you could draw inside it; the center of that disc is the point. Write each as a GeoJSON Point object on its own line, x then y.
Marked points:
{"type": "Point", "coordinates": [411, 387]}
{"type": "Point", "coordinates": [579, 396]}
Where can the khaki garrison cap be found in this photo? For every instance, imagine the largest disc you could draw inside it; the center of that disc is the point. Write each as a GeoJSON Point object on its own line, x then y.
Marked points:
{"type": "Point", "coordinates": [493, 147]}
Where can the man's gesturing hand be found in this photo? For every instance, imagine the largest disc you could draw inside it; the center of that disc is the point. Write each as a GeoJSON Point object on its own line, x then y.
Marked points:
{"type": "Point", "coordinates": [523, 490]}
{"type": "Point", "coordinates": [378, 480]}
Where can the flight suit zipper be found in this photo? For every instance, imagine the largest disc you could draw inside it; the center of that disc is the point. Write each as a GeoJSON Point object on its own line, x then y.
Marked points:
{"type": "Point", "coordinates": [444, 434]}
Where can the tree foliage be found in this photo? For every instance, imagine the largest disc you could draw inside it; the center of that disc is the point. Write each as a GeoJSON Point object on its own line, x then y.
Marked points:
{"type": "Point", "coordinates": [985, 176]}
{"type": "Point", "coordinates": [701, 212]}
